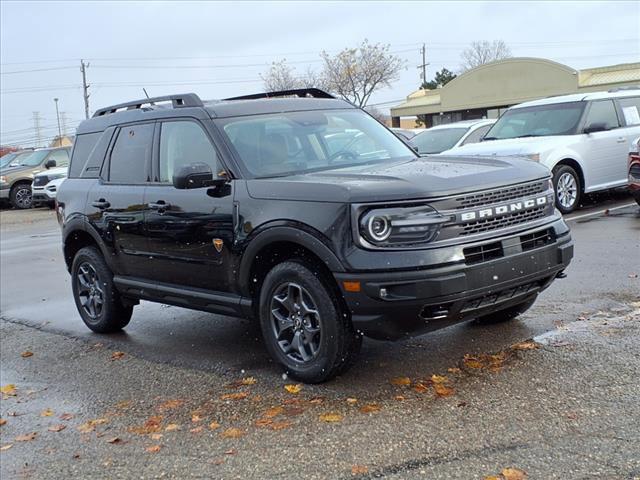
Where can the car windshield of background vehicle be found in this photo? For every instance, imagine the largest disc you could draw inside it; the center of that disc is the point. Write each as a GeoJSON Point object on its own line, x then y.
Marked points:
{"type": "Point", "coordinates": [438, 139]}
{"type": "Point", "coordinates": [31, 159]}
{"type": "Point", "coordinates": [7, 159]}
{"type": "Point", "coordinates": [539, 121]}
{"type": "Point", "coordinates": [296, 142]}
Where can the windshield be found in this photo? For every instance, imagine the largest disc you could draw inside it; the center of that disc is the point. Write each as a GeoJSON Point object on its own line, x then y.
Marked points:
{"type": "Point", "coordinates": [296, 142]}
{"type": "Point", "coordinates": [438, 140]}
{"type": "Point", "coordinates": [7, 159]}
{"type": "Point", "coordinates": [543, 120]}
{"type": "Point", "coordinates": [31, 159]}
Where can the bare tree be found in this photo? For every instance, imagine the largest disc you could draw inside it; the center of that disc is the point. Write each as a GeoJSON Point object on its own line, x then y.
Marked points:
{"type": "Point", "coordinates": [280, 76]}
{"type": "Point", "coordinates": [356, 73]}
{"type": "Point", "coordinates": [377, 114]}
{"type": "Point", "coordinates": [481, 52]}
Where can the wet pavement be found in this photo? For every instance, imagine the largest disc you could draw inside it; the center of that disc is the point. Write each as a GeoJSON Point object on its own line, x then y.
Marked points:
{"type": "Point", "coordinates": [569, 406]}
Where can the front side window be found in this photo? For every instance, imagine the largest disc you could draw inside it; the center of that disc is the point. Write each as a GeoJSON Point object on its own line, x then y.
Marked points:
{"type": "Point", "coordinates": [182, 143]}
{"type": "Point", "coordinates": [61, 157]}
{"type": "Point", "coordinates": [296, 142]}
{"type": "Point", "coordinates": [131, 154]}
{"type": "Point", "coordinates": [538, 121]}
{"type": "Point", "coordinates": [438, 139]}
{"type": "Point", "coordinates": [476, 135]}
{"type": "Point", "coordinates": [602, 112]}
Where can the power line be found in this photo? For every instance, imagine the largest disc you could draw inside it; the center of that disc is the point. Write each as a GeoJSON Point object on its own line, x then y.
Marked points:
{"type": "Point", "coordinates": [36, 70]}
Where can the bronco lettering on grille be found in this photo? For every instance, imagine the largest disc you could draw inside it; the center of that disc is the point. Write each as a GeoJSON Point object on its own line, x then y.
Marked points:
{"type": "Point", "coordinates": [491, 212]}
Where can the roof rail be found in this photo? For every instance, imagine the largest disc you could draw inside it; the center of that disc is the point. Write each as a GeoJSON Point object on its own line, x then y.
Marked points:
{"type": "Point", "coordinates": [180, 100]}
{"type": "Point", "coordinates": [298, 92]}
{"type": "Point", "coordinates": [624, 88]}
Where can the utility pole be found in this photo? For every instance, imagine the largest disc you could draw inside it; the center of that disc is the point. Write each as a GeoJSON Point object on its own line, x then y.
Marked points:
{"type": "Point", "coordinates": [36, 128]}
{"type": "Point", "coordinates": [424, 64]}
{"type": "Point", "coordinates": [85, 87]}
{"type": "Point", "coordinates": [58, 117]}
{"type": "Point", "coordinates": [63, 121]}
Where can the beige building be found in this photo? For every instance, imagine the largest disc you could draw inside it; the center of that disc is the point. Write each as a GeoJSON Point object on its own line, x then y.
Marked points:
{"type": "Point", "coordinates": [485, 91]}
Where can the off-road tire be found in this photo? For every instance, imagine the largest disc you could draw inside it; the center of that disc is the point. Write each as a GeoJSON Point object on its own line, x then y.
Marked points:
{"type": "Point", "coordinates": [507, 314]}
{"type": "Point", "coordinates": [339, 343]}
{"type": "Point", "coordinates": [19, 197]}
{"type": "Point", "coordinates": [114, 315]}
{"type": "Point", "coordinates": [560, 172]}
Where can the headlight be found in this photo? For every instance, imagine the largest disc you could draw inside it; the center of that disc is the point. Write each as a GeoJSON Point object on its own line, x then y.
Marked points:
{"type": "Point", "coordinates": [533, 156]}
{"type": "Point", "coordinates": [3, 179]}
{"type": "Point", "coordinates": [56, 176]}
{"type": "Point", "coordinates": [388, 227]}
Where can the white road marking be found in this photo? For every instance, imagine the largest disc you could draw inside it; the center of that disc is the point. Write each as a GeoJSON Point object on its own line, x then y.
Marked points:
{"type": "Point", "coordinates": [600, 212]}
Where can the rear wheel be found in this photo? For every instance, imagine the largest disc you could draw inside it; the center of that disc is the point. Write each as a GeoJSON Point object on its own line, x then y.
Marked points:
{"type": "Point", "coordinates": [96, 297]}
{"type": "Point", "coordinates": [566, 184]}
{"type": "Point", "coordinates": [20, 196]}
{"type": "Point", "coordinates": [305, 329]}
{"type": "Point", "coordinates": [506, 314]}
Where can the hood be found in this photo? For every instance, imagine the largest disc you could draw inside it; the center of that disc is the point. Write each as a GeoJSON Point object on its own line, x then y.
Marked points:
{"type": "Point", "coordinates": [421, 178]}
{"type": "Point", "coordinates": [18, 169]}
{"type": "Point", "coordinates": [54, 171]}
{"type": "Point", "coordinates": [511, 146]}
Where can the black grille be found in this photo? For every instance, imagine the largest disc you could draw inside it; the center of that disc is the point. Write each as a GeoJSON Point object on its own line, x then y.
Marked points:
{"type": "Point", "coordinates": [502, 295]}
{"type": "Point", "coordinates": [488, 224]}
{"type": "Point", "coordinates": [635, 170]}
{"type": "Point", "coordinates": [501, 195]}
{"type": "Point", "coordinates": [40, 180]}
{"type": "Point", "coordinates": [537, 239]}
{"type": "Point", "coordinates": [482, 253]}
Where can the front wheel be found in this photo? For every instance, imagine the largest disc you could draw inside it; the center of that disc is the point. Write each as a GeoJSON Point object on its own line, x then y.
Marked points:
{"type": "Point", "coordinates": [566, 184]}
{"type": "Point", "coordinates": [96, 297]}
{"type": "Point", "coordinates": [20, 196]}
{"type": "Point", "coordinates": [305, 329]}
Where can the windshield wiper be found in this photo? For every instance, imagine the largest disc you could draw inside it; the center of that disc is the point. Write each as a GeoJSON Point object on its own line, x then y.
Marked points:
{"type": "Point", "coordinates": [489, 138]}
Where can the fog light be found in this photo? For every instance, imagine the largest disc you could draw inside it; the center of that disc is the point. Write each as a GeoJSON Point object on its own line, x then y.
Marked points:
{"type": "Point", "coordinates": [383, 293]}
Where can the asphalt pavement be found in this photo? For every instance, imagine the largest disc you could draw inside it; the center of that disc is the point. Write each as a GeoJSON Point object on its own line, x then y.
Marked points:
{"type": "Point", "coordinates": [564, 406]}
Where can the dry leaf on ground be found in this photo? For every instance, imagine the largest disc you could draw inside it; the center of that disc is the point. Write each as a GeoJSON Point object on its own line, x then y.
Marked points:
{"type": "Point", "coordinates": [293, 388]}
{"type": "Point", "coordinates": [27, 437]}
{"type": "Point", "coordinates": [352, 401]}
{"type": "Point", "coordinates": [248, 381]}
{"type": "Point", "coordinates": [359, 470]}
{"type": "Point", "coordinates": [6, 447]}
{"type": "Point", "coordinates": [370, 408]}
{"type": "Point", "coordinates": [526, 345]}
{"type": "Point", "coordinates": [115, 440]}
{"type": "Point", "coordinates": [454, 370]}
{"type": "Point", "coordinates": [331, 417]}
{"type": "Point", "coordinates": [90, 426]}
{"type": "Point", "coordinates": [2, 421]}
{"type": "Point", "coordinates": [66, 416]}
{"type": "Point", "coordinates": [273, 412]}
{"type": "Point", "coordinates": [280, 425]}
{"type": "Point", "coordinates": [511, 473]}
{"type": "Point", "coordinates": [152, 425]}
{"type": "Point", "coordinates": [316, 400]}
{"type": "Point", "coordinates": [196, 418]}
{"type": "Point", "coordinates": [232, 433]}
{"type": "Point", "coordinates": [26, 354]}
{"type": "Point", "coordinates": [401, 381]}
{"type": "Point", "coordinates": [170, 404]}
{"type": "Point", "coordinates": [117, 355]}
{"type": "Point", "coordinates": [197, 429]}
{"type": "Point", "coordinates": [439, 379]}
{"type": "Point", "coordinates": [47, 413]}
{"type": "Point", "coordinates": [234, 396]}
{"type": "Point", "coordinates": [9, 389]}
{"type": "Point", "coordinates": [443, 390]}
{"type": "Point", "coordinates": [56, 428]}
{"type": "Point", "coordinates": [172, 427]}
{"type": "Point", "coordinates": [153, 448]}
{"type": "Point", "coordinates": [214, 425]}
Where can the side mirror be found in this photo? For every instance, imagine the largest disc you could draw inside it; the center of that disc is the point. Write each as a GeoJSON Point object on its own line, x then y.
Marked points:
{"type": "Point", "coordinates": [50, 164]}
{"type": "Point", "coordinates": [596, 127]}
{"type": "Point", "coordinates": [195, 175]}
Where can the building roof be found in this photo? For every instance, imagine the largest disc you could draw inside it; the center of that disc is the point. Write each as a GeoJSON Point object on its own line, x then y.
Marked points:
{"type": "Point", "coordinates": [579, 97]}
{"type": "Point", "coordinates": [512, 81]}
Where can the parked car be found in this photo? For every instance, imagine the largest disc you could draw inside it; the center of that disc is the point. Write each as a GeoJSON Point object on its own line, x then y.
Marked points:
{"type": "Point", "coordinates": [238, 207]}
{"type": "Point", "coordinates": [13, 157]}
{"type": "Point", "coordinates": [45, 186]}
{"type": "Point", "coordinates": [15, 180]}
{"type": "Point", "coordinates": [582, 138]}
{"type": "Point", "coordinates": [451, 135]}
{"type": "Point", "coordinates": [406, 134]}
{"type": "Point", "coordinates": [634, 169]}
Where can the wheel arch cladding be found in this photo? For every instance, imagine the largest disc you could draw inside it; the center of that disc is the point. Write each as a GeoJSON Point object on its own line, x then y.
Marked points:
{"type": "Point", "coordinates": [77, 239]}
{"type": "Point", "coordinates": [570, 162]}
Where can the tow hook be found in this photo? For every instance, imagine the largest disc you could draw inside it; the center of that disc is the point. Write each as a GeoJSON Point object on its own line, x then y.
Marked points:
{"type": "Point", "coordinates": [561, 274]}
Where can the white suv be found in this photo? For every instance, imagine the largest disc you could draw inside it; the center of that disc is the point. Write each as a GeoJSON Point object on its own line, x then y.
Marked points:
{"type": "Point", "coordinates": [582, 138]}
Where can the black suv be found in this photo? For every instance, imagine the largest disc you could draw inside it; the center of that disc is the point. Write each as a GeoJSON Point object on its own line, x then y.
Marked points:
{"type": "Point", "coordinates": [304, 212]}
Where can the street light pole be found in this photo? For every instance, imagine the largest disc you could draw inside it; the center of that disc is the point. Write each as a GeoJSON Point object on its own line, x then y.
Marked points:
{"type": "Point", "coordinates": [58, 116]}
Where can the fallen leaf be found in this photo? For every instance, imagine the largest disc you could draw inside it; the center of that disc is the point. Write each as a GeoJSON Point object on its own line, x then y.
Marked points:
{"type": "Point", "coordinates": [46, 413]}
{"type": "Point", "coordinates": [401, 381]}
{"type": "Point", "coordinates": [472, 362]}
{"type": "Point", "coordinates": [370, 408]}
{"type": "Point", "coordinates": [218, 461]}
{"type": "Point", "coordinates": [123, 404]}
{"type": "Point", "coordinates": [6, 447]}
{"type": "Point", "coordinates": [90, 426]}
{"type": "Point", "coordinates": [294, 389]}
{"type": "Point", "coordinates": [115, 440]}
{"type": "Point", "coordinates": [526, 345]}
{"type": "Point", "coordinates": [9, 389]}
{"type": "Point", "coordinates": [153, 448]}
{"type": "Point", "coordinates": [56, 428]}
{"type": "Point", "coordinates": [14, 414]}
{"type": "Point", "coordinates": [234, 396]}
{"type": "Point", "coordinates": [454, 370]}
{"type": "Point", "coordinates": [443, 390]}
{"type": "Point", "coordinates": [420, 387]}
{"type": "Point", "coordinates": [156, 436]}
{"type": "Point", "coordinates": [196, 418]}
{"type": "Point", "coordinates": [26, 354]}
{"type": "Point", "coordinates": [26, 438]}
{"type": "Point", "coordinates": [511, 473]}
{"type": "Point", "coordinates": [359, 470]}
{"type": "Point", "coordinates": [66, 416]}
{"type": "Point", "coordinates": [197, 429]}
{"type": "Point", "coordinates": [492, 477]}
{"type": "Point", "coordinates": [436, 379]}
{"type": "Point", "coordinates": [248, 381]}
{"type": "Point", "coordinates": [172, 427]}
{"type": "Point", "coordinates": [214, 425]}
{"type": "Point", "coordinates": [331, 417]}
{"type": "Point", "coordinates": [170, 404]}
{"type": "Point", "coordinates": [2, 421]}
{"type": "Point", "coordinates": [352, 401]}
{"type": "Point", "coordinates": [316, 400]}
{"type": "Point", "coordinates": [399, 398]}
{"type": "Point", "coordinates": [151, 425]}
{"type": "Point", "coordinates": [117, 355]}
{"type": "Point", "coordinates": [280, 425]}
{"type": "Point", "coordinates": [232, 433]}
{"type": "Point", "coordinates": [231, 451]}
{"type": "Point", "coordinates": [273, 412]}
{"type": "Point", "coordinates": [263, 422]}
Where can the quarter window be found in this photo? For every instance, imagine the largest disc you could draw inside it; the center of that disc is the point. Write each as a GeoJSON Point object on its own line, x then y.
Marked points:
{"type": "Point", "coordinates": [630, 110]}
{"type": "Point", "coordinates": [183, 143]}
{"type": "Point", "coordinates": [603, 111]}
{"type": "Point", "coordinates": [130, 155]}
{"type": "Point", "coordinates": [476, 135]}
{"type": "Point", "coordinates": [61, 157]}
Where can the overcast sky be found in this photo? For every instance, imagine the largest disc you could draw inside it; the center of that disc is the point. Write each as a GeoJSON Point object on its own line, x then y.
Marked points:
{"type": "Point", "coordinates": [220, 49]}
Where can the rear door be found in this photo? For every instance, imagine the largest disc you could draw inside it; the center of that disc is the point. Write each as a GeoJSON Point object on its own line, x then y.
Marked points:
{"type": "Point", "coordinates": [190, 232]}
{"type": "Point", "coordinates": [115, 204]}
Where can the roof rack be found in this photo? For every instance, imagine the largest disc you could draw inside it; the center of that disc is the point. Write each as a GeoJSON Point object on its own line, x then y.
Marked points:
{"type": "Point", "coordinates": [298, 92]}
{"type": "Point", "coordinates": [180, 100]}
{"type": "Point", "coordinates": [624, 88]}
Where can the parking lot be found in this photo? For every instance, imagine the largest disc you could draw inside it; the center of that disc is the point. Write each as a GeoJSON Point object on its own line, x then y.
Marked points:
{"type": "Point", "coordinates": [183, 394]}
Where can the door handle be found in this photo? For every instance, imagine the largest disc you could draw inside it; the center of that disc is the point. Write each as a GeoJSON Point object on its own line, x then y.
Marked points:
{"type": "Point", "coordinates": [621, 140]}
{"type": "Point", "coordinates": [160, 205]}
{"type": "Point", "coordinates": [102, 204]}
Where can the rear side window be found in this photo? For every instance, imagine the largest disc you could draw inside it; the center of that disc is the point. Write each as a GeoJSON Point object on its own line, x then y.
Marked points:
{"type": "Point", "coordinates": [603, 111]}
{"type": "Point", "coordinates": [131, 154]}
{"type": "Point", "coordinates": [82, 148]}
{"type": "Point", "coordinates": [630, 110]}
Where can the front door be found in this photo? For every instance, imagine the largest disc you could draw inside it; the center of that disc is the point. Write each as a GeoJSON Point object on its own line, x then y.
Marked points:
{"type": "Point", "coordinates": [189, 232]}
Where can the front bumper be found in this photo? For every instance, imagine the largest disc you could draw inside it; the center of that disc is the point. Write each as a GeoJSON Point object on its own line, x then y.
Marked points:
{"type": "Point", "coordinates": [397, 304]}
{"type": "Point", "coordinates": [4, 192]}
{"type": "Point", "coordinates": [41, 194]}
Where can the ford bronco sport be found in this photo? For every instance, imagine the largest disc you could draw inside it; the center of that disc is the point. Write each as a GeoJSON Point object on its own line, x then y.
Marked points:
{"type": "Point", "coordinates": [304, 212]}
